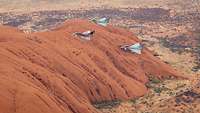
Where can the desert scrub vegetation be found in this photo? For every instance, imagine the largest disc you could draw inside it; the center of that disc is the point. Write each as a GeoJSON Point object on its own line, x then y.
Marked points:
{"type": "Point", "coordinates": [156, 86]}
{"type": "Point", "coordinates": [152, 82]}
{"type": "Point", "coordinates": [133, 101]}
{"type": "Point", "coordinates": [179, 85]}
{"type": "Point", "coordinates": [160, 89]}
{"type": "Point", "coordinates": [107, 104]}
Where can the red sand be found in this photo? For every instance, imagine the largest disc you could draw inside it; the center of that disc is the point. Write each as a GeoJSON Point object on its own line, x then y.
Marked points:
{"type": "Point", "coordinates": [54, 72]}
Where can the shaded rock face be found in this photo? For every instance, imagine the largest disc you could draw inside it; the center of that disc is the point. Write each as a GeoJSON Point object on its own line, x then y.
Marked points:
{"type": "Point", "coordinates": [55, 72]}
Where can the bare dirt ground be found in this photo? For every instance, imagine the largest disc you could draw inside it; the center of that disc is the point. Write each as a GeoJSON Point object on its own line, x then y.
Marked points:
{"type": "Point", "coordinates": [169, 28]}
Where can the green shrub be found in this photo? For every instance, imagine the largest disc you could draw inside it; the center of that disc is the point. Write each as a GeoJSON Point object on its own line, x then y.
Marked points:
{"type": "Point", "coordinates": [154, 80]}
{"type": "Point", "coordinates": [133, 101]}
{"type": "Point", "coordinates": [158, 90]}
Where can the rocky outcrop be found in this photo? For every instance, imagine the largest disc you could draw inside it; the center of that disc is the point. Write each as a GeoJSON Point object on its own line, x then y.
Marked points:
{"type": "Point", "coordinates": [55, 72]}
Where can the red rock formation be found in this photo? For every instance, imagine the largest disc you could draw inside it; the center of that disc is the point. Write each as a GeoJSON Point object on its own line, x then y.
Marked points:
{"type": "Point", "coordinates": [55, 72]}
